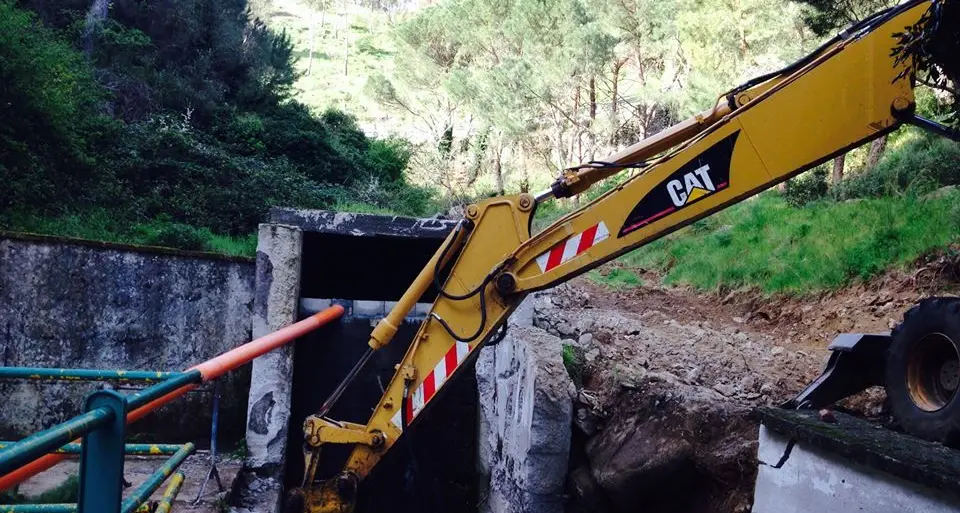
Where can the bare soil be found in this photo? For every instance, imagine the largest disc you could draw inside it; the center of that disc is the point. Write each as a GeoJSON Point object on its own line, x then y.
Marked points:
{"type": "Point", "coordinates": [138, 468]}
{"type": "Point", "coordinates": [685, 369]}
{"type": "Point", "coordinates": [749, 347]}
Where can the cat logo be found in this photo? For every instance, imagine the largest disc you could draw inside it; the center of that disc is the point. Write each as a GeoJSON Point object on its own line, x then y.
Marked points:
{"type": "Point", "coordinates": [694, 186]}
{"type": "Point", "coordinates": [702, 176]}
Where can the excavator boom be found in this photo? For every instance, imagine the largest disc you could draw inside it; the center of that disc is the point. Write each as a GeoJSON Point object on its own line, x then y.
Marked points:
{"type": "Point", "coordinates": [851, 90]}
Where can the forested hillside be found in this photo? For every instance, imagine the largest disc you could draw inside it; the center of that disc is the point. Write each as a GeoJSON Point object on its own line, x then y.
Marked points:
{"type": "Point", "coordinates": [169, 122]}
{"type": "Point", "coordinates": [180, 123]}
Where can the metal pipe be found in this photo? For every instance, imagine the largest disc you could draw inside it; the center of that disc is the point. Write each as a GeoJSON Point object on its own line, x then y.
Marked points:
{"type": "Point", "coordinates": [934, 127]}
{"type": "Point", "coordinates": [83, 374]}
{"type": "Point", "coordinates": [131, 449]}
{"type": "Point", "coordinates": [146, 489]}
{"type": "Point", "coordinates": [142, 397]}
{"type": "Point", "coordinates": [342, 386]}
{"type": "Point", "coordinates": [38, 508]}
{"type": "Point", "coordinates": [39, 444]}
{"type": "Point", "coordinates": [53, 508]}
{"type": "Point", "coordinates": [170, 494]}
{"type": "Point", "coordinates": [209, 370]}
{"type": "Point", "coordinates": [226, 362]}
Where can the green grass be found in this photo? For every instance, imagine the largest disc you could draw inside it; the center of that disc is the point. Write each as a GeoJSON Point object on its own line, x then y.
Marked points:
{"type": "Point", "coordinates": [616, 278]}
{"type": "Point", "coordinates": [100, 225]}
{"type": "Point", "coordinates": [768, 244]}
{"type": "Point", "coordinates": [574, 362]}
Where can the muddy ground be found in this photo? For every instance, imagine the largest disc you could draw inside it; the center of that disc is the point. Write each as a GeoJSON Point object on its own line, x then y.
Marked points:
{"type": "Point", "coordinates": [669, 378]}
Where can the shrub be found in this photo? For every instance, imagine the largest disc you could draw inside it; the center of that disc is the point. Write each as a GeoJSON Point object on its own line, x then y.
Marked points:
{"type": "Point", "coordinates": [177, 235]}
{"type": "Point", "coordinates": [574, 362]}
{"type": "Point", "coordinates": [48, 101]}
{"type": "Point", "coordinates": [807, 188]}
{"type": "Point", "coordinates": [922, 163]}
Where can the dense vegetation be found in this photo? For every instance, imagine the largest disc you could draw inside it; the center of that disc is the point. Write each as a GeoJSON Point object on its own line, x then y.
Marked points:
{"type": "Point", "coordinates": [170, 122]}
{"type": "Point", "coordinates": [181, 123]}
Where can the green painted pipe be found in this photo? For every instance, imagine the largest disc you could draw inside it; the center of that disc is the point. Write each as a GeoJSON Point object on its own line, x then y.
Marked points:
{"type": "Point", "coordinates": [170, 494]}
{"type": "Point", "coordinates": [143, 492]}
{"type": "Point", "coordinates": [52, 508]}
{"type": "Point", "coordinates": [38, 508]}
{"type": "Point", "coordinates": [142, 397]}
{"type": "Point", "coordinates": [83, 374]}
{"type": "Point", "coordinates": [39, 444]}
{"type": "Point", "coordinates": [132, 449]}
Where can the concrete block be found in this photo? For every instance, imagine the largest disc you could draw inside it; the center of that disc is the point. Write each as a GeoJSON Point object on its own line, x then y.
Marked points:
{"type": "Point", "coordinates": [814, 480]}
{"type": "Point", "coordinates": [363, 308]}
{"type": "Point", "coordinates": [310, 305]}
{"type": "Point", "coordinates": [524, 425]}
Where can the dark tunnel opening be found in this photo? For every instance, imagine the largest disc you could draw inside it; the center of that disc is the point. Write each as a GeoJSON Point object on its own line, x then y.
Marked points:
{"type": "Point", "coordinates": [437, 471]}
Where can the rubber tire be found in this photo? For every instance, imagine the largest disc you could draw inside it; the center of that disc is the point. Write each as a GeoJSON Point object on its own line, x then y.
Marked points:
{"type": "Point", "coordinates": [932, 315]}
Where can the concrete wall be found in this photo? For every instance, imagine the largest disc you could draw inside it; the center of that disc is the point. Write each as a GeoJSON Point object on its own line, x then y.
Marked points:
{"type": "Point", "coordinates": [809, 479]}
{"type": "Point", "coordinates": [67, 303]}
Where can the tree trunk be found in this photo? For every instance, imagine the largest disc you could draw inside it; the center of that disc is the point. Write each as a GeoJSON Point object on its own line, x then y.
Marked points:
{"type": "Point", "coordinates": [615, 87]}
{"type": "Point", "coordinates": [877, 147]}
{"type": "Point", "coordinates": [838, 164]}
{"type": "Point", "coordinates": [313, 42]}
{"type": "Point", "coordinates": [346, 39]}
{"type": "Point", "coordinates": [498, 170]}
{"type": "Point", "coordinates": [593, 98]}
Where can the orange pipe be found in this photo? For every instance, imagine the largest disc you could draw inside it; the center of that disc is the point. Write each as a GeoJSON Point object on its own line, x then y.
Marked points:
{"type": "Point", "coordinates": [209, 369]}
{"type": "Point", "coordinates": [216, 367]}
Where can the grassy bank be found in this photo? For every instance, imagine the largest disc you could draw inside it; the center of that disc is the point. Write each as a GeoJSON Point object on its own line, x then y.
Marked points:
{"type": "Point", "coordinates": [102, 226]}
{"type": "Point", "coordinates": [769, 244]}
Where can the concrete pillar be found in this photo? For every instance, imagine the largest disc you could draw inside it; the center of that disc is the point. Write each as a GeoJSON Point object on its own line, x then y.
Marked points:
{"type": "Point", "coordinates": [260, 485]}
{"type": "Point", "coordinates": [526, 411]}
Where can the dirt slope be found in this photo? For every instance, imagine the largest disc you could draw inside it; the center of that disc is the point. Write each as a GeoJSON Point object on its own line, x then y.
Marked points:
{"type": "Point", "coordinates": [670, 377]}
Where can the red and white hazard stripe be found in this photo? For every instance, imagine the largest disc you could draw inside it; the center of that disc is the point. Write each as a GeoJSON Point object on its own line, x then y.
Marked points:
{"type": "Point", "coordinates": [567, 250]}
{"type": "Point", "coordinates": [441, 371]}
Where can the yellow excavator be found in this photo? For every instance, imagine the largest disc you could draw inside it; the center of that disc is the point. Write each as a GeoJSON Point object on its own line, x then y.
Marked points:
{"type": "Point", "coordinates": [856, 87]}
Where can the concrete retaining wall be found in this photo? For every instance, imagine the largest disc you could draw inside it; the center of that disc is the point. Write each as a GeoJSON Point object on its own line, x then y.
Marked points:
{"type": "Point", "coordinates": [804, 478]}
{"type": "Point", "coordinates": [66, 303]}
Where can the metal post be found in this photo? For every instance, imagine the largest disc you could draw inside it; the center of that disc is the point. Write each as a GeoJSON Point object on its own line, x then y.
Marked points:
{"type": "Point", "coordinates": [129, 449]}
{"type": "Point", "coordinates": [136, 498]}
{"type": "Point", "coordinates": [35, 373]}
{"type": "Point", "coordinates": [142, 397]}
{"type": "Point", "coordinates": [101, 457]}
{"type": "Point", "coordinates": [213, 446]}
{"type": "Point", "coordinates": [170, 494]}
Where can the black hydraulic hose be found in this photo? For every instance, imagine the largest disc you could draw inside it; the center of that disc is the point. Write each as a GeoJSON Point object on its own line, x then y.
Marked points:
{"type": "Point", "coordinates": [481, 290]}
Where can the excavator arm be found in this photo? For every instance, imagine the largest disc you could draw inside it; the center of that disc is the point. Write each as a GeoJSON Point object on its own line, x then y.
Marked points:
{"type": "Point", "coordinates": [851, 90]}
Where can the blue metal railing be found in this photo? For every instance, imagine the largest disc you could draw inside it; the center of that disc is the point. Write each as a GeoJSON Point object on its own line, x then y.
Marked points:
{"type": "Point", "coordinates": [102, 427]}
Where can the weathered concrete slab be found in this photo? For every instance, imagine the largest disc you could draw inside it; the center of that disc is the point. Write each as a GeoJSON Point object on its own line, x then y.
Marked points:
{"type": "Point", "coordinates": [361, 225]}
{"type": "Point", "coordinates": [71, 303]}
{"type": "Point", "coordinates": [905, 457]}
{"type": "Point", "coordinates": [276, 303]}
{"type": "Point", "coordinates": [526, 411]}
{"type": "Point", "coordinates": [800, 477]}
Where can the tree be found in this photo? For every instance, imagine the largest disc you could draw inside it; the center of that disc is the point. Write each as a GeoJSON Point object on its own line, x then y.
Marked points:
{"type": "Point", "coordinates": [320, 6]}
{"type": "Point", "coordinates": [825, 17]}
